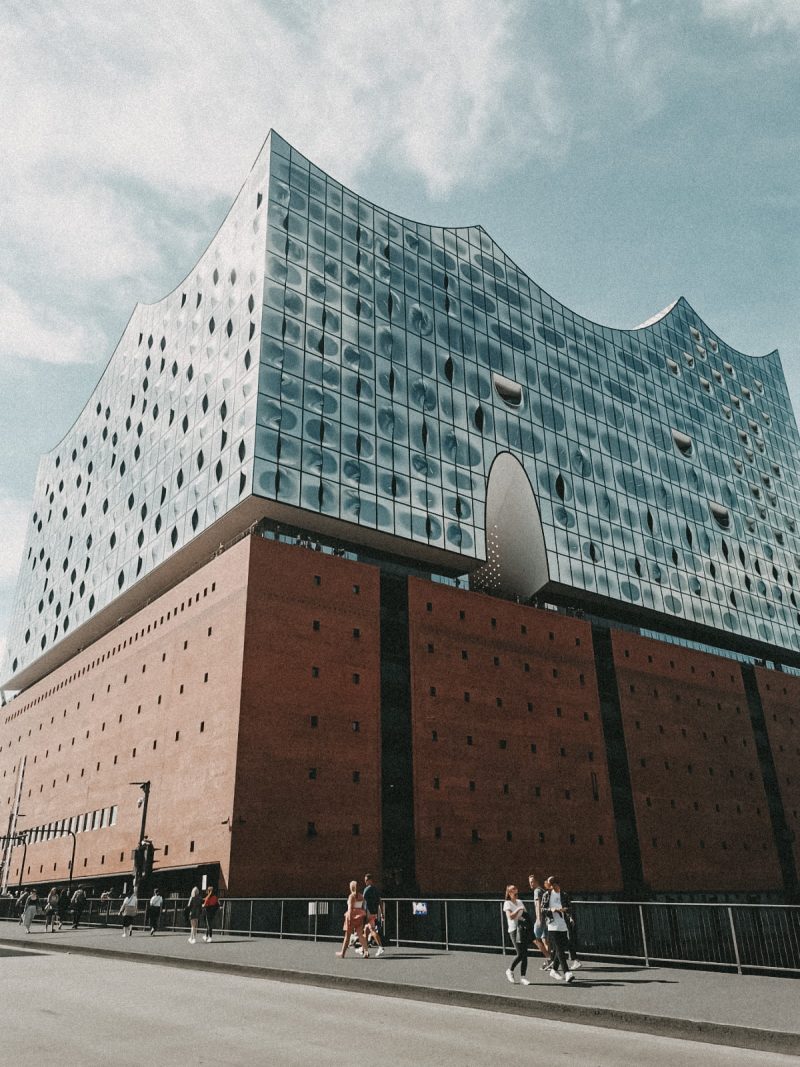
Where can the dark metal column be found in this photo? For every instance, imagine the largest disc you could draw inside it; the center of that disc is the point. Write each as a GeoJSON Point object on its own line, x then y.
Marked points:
{"type": "Point", "coordinates": [399, 858]}
{"type": "Point", "coordinates": [630, 855]}
{"type": "Point", "coordinates": [777, 814]}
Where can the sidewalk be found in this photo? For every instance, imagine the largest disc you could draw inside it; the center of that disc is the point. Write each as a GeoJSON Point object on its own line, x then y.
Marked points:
{"type": "Point", "coordinates": [726, 1009]}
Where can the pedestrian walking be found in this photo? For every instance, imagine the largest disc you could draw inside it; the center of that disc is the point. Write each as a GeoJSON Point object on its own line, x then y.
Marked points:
{"type": "Point", "coordinates": [31, 908]}
{"type": "Point", "coordinates": [210, 909]}
{"type": "Point", "coordinates": [373, 905]}
{"type": "Point", "coordinates": [78, 904]}
{"type": "Point", "coordinates": [519, 932]}
{"type": "Point", "coordinates": [192, 912]}
{"type": "Point", "coordinates": [539, 925]}
{"type": "Point", "coordinates": [62, 909]}
{"type": "Point", "coordinates": [572, 931]}
{"type": "Point", "coordinates": [155, 904]}
{"type": "Point", "coordinates": [354, 918]}
{"type": "Point", "coordinates": [51, 910]}
{"type": "Point", "coordinates": [22, 901]}
{"type": "Point", "coordinates": [553, 910]}
{"type": "Point", "coordinates": [128, 911]}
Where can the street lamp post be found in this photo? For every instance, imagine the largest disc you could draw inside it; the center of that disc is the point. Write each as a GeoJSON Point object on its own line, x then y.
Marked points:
{"type": "Point", "coordinates": [24, 839]}
{"type": "Point", "coordinates": [72, 860]}
{"type": "Point", "coordinates": [145, 788]}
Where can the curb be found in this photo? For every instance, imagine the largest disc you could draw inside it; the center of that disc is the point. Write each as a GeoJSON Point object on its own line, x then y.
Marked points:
{"type": "Point", "coordinates": [610, 1018]}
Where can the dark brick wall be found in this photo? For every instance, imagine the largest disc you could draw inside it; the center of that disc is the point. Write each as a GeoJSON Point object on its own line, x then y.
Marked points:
{"type": "Point", "coordinates": [780, 700]}
{"type": "Point", "coordinates": [509, 762]}
{"type": "Point", "coordinates": [701, 808]}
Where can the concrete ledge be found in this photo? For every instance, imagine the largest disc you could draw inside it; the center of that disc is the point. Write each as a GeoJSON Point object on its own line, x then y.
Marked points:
{"type": "Point", "coordinates": [762, 1040]}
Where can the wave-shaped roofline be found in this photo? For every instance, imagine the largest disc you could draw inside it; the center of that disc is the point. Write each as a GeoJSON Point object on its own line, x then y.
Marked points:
{"type": "Point", "coordinates": [660, 316]}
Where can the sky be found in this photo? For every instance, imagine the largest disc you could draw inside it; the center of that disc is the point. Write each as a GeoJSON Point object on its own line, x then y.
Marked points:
{"type": "Point", "coordinates": [622, 152]}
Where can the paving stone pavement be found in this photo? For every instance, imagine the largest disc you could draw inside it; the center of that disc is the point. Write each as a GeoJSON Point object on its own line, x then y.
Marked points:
{"type": "Point", "coordinates": [747, 1011]}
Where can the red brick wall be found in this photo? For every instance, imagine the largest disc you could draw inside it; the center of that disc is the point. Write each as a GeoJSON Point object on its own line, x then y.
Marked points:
{"type": "Point", "coordinates": [291, 589]}
{"type": "Point", "coordinates": [157, 699]}
{"type": "Point", "coordinates": [555, 801]}
{"type": "Point", "coordinates": [699, 798]}
{"type": "Point", "coordinates": [780, 699]}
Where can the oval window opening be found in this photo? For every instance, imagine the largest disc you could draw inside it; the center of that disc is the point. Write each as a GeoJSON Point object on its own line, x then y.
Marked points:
{"type": "Point", "coordinates": [682, 443]}
{"type": "Point", "coordinates": [720, 515]}
{"type": "Point", "coordinates": [509, 392]}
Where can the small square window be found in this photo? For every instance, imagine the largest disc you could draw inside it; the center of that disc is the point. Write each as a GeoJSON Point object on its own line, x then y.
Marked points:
{"type": "Point", "coordinates": [356, 777]}
{"type": "Point", "coordinates": [312, 773]}
{"type": "Point", "coordinates": [311, 829]}
{"type": "Point", "coordinates": [315, 624]}
{"type": "Point", "coordinates": [314, 721]}
{"type": "Point", "coordinates": [356, 829]}
{"type": "Point", "coordinates": [355, 726]}
{"type": "Point", "coordinates": [315, 672]}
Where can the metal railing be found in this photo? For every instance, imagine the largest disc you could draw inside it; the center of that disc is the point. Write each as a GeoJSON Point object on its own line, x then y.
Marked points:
{"type": "Point", "coordinates": [740, 937]}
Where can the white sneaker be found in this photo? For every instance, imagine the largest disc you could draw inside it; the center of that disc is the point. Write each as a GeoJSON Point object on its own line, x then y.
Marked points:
{"type": "Point", "coordinates": [575, 965]}
{"type": "Point", "coordinates": [556, 975]}
{"type": "Point", "coordinates": [379, 951]}
{"type": "Point", "coordinates": [205, 937]}
{"type": "Point", "coordinates": [359, 950]}
{"type": "Point", "coordinates": [353, 941]}
{"type": "Point", "coordinates": [510, 976]}
{"type": "Point", "coordinates": [192, 941]}
{"type": "Point", "coordinates": [569, 977]}
{"type": "Point", "coordinates": [124, 933]}
{"type": "Point", "coordinates": [524, 981]}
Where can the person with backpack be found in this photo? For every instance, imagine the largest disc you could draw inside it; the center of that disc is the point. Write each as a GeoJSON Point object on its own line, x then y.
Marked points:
{"type": "Point", "coordinates": [51, 910]}
{"type": "Point", "coordinates": [553, 911]}
{"type": "Point", "coordinates": [539, 926]}
{"type": "Point", "coordinates": [78, 904]}
{"type": "Point", "coordinates": [128, 912]}
{"type": "Point", "coordinates": [519, 930]}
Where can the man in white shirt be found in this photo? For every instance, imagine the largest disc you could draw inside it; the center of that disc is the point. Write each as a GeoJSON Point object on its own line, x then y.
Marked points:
{"type": "Point", "coordinates": [553, 911]}
{"type": "Point", "coordinates": [154, 907]}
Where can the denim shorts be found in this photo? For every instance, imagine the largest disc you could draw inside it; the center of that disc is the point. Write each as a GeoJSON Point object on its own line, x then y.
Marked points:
{"type": "Point", "coordinates": [539, 931]}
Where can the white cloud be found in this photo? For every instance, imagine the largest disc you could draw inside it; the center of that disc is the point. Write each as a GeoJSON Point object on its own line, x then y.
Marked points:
{"type": "Point", "coordinates": [38, 333]}
{"type": "Point", "coordinates": [759, 16]}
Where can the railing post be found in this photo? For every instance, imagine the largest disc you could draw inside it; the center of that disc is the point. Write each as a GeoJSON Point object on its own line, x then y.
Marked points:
{"type": "Point", "coordinates": [503, 930]}
{"type": "Point", "coordinates": [397, 924]}
{"type": "Point", "coordinates": [735, 942]}
{"type": "Point", "coordinates": [280, 932]}
{"type": "Point", "coordinates": [316, 919]}
{"type": "Point", "coordinates": [250, 922]}
{"type": "Point", "coordinates": [644, 936]}
{"type": "Point", "coordinates": [446, 930]}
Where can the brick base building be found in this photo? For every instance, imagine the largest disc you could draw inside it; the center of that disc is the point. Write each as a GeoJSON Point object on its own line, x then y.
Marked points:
{"type": "Point", "coordinates": [302, 717]}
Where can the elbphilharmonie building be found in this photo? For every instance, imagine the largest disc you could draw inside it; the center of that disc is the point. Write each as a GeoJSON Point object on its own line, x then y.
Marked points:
{"type": "Point", "coordinates": [458, 526]}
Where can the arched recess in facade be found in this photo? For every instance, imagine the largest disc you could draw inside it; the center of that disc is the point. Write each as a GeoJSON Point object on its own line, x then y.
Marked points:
{"type": "Point", "coordinates": [516, 558]}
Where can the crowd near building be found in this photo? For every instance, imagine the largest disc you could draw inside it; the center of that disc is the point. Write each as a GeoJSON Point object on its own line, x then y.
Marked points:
{"type": "Point", "coordinates": [366, 553]}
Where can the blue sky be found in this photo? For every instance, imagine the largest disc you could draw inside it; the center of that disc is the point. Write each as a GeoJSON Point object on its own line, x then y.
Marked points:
{"type": "Point", "coordinates": [623, 152]}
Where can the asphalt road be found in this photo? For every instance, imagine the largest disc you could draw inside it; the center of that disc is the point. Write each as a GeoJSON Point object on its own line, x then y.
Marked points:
{"type": "Point", "coordinates": [81, 1011]}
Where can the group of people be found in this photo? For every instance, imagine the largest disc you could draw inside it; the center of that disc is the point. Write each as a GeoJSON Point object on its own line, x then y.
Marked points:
{"type": "Point", "coordinates": [56, 907]}
{"type": "Point", "coordinates": [197, 906]}
{"type": "Point", "coordinates": [551, 928]}
{"type": "Point", "coordinates": [363, 920]}
{"type": "Point", "coordinates": [59, 904]}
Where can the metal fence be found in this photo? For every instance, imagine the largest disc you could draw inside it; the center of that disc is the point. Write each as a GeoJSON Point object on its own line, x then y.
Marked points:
{"type": "Point", "coordinates": [740, 937]}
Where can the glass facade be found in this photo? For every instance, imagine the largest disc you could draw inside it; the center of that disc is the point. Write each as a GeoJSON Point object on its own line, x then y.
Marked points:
{"type": "Point", "coordinates": [335, 359]}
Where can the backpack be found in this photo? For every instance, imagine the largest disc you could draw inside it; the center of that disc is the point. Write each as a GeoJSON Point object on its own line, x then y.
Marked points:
{"type": "Point", "coordinates": [525, 927]}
